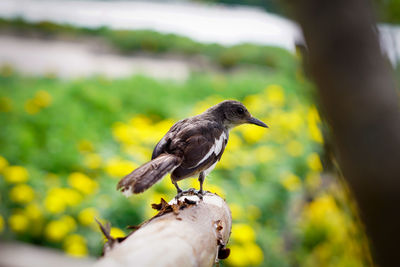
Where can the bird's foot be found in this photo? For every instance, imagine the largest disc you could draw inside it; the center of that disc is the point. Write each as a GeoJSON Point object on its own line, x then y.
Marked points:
{"type": "Point", "coordinates": [200, 193]}
{"type": "Point", "coordinates": [190, 191]}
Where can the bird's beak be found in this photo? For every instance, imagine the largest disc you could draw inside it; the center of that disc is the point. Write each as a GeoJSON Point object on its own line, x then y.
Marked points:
{"type": "Point", "coordinates": [255, 121]}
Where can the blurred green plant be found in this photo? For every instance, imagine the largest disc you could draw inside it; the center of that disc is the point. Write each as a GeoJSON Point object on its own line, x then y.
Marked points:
{"type": "Point", "coordinates": [65, 144]}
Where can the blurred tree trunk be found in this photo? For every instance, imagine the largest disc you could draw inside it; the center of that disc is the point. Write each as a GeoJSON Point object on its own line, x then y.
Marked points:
{"type": "Point", "coordinates": [359, 100]}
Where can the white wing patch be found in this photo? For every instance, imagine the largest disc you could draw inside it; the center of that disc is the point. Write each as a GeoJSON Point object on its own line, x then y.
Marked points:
{"type": "Point", "coordinates": [216, 148]}
{"type": "Point", "coordinates": [219, 143]}
{"type": "Point", "coordinates": [207, 155]}
{"type": "Point", "coordinates": [127, 191]}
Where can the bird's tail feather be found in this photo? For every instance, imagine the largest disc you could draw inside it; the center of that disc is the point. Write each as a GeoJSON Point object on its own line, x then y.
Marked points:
{"type": "Point", "coordinates": [148, 174]}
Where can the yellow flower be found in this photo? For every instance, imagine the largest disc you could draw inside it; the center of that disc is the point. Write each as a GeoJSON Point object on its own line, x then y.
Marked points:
{"type": "Point", "coordinates": [15, 174]}
{"type": "Point", "coordinates": [227, 161]}
{"type": "Point", "coordinates": [118, 168]}
{"type": "Point", "coordinates": [31, 107]}
{"type": "Point", "coordinates": [122, 133]}
{"type": "Point", "coordinates": [314, 162]}
{"type": "Point", "coordinates": [92, 161]}
{"type": "Point", "coordinates": [3, 164]}
{"type": "Point", "coordinates": [58, 199]}
{"type": "Point", "coordinates": [143, 131]}
{"type": "Point", "coordinates": [5, 104]}
{"type": "Point", "coordinates": [248, 254]}
{"type": "Point", "coordinates": [236, 210]}
{"type": "Point", "coordinates": [294, 148]}
{"type": "Point", "coordinates": [235, 142]}
{"type": "Point", "coordinates": [253, 213]}
{"type": "Point", "coordinates": [264, 154]}
{"type": "Point", "coordinates": [214, 189]}
{"type": "Point", "coordinates": [1, 224]}
{"type": "Point", "coordinates": [154, 198]}
{"type": "Point", "coordinates": [242, 233]}
{"type": "Point", "coordinates": [18, 222]}
{"type": "Point", "coordinates": [55, 204]}
{"type": "Point", "coordinates": [164, 125]}
{"type": "Point", "coordinates": [254, 254]}
{"type": "Point", "coordinates": [56, 230]}
{"type": "Point", "coordinates": [22, 193]}
{"type": "Point", "coordinates": [291, 182]}
{"type": "Point", "coordinates": [82, 182]}
{"type": "Point", "coordinates": [313, 121]}
{"type": "Point", "coordinates": [75, 245]}
{"type": "Point", "coordinates": [322, 209]}
{"type": "Point", "coordinates": [33, 211]}
{"type": "Point", "coordinates": [86, 216]}
{"type": "Point", "coordinates": [255, 103]}
{"type": "Point", "coordinates": [167, 185]}
{"type": "Point", "coordinates": [85, 146]}
{"type": "Point", "coordinates": [252, 134]}
{"type": "Point", "coordinates": [293, 121]}
{"type": "Point", "coordinates": [140, 120]}
{"type": "Point", "coordinates": [140, 130]}
{"type": "Point", "coordinates": [42, 99]}
{"type": "Point", "coordinates": [237, 257]}
{"type": "Point", "coordinates": [117, 232]}
{"type": "Point", "coordinates": [71, 196]}
{"type": "Point", "coordinates": [70, 221]}
{"type": "Point", "coordinates": [313, 180]}
{"type": "Point", "coordinates": [275, 95]}
{"type": "Point", "coordinates": [140, 153]}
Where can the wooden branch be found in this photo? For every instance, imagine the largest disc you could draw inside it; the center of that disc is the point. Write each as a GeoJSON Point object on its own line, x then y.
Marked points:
{"type": "Point", "coordinates": [190, 232]}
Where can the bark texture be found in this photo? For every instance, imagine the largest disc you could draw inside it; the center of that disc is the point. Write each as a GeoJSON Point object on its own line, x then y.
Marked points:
{"type": "Point", "coordinates": [187, 233]}
{"type": "Point", "coordinates": [359, 99]}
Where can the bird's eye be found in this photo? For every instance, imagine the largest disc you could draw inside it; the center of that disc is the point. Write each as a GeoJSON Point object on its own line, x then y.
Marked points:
{"type": "Point", "coordinates": [240, 110]}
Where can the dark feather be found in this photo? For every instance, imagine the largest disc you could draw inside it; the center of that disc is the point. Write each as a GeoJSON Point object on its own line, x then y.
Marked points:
{"type": "Point", "coordinates": [195, 142]}
{"type": "Point", "coordinates": [149, 173]}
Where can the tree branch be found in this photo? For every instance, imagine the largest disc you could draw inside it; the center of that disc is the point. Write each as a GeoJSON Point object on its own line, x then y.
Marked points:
{"type": "Point", "coordinates": [189, 232]}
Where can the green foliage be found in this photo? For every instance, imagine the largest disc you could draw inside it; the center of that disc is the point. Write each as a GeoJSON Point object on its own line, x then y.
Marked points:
{"type": "Point", "coordinates": [65, 144]}
{"type": "Point", "coordinates": [269, 5]}
{"type": "Point", "coordinates": [388, 10]}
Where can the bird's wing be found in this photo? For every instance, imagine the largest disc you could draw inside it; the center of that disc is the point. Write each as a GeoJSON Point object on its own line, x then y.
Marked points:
{"type": "Point", "coordinates": [201, 144]}
{"type": "Point", "coordinates": [163, 144]}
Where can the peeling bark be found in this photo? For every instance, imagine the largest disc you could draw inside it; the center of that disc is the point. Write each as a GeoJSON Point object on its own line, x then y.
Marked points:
{"type": "Point", "coordinates": [187, 232]}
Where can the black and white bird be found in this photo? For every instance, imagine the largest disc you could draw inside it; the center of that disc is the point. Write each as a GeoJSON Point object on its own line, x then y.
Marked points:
{"type": "Point", "coordinates": [192, 147]}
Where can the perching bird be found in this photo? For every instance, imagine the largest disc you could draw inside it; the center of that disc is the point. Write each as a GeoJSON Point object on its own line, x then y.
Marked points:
{"type": "Point", "coordinates": [192, 147]}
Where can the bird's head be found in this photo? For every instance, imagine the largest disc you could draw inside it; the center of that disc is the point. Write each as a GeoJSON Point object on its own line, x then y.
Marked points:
{"type": "Point", "coordinates": [235, 113]}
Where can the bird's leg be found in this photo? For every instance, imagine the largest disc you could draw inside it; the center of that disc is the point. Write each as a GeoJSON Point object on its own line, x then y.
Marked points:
{"type": "Point", "coordinates": [201, 180]}
{"type": "Point", "coordinates": [177, 187]}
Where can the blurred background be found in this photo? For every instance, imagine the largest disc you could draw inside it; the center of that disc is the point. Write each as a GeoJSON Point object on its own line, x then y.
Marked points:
{"type": "Point", "coordinates": [87, 88]}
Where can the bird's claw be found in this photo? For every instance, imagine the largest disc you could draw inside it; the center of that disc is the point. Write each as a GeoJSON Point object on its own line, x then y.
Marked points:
{"type": "Point", "coordinates": [190, 192]}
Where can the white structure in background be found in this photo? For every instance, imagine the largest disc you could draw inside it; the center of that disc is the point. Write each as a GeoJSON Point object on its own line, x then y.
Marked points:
{"type": "Point", "coordinates": [204, 23]}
